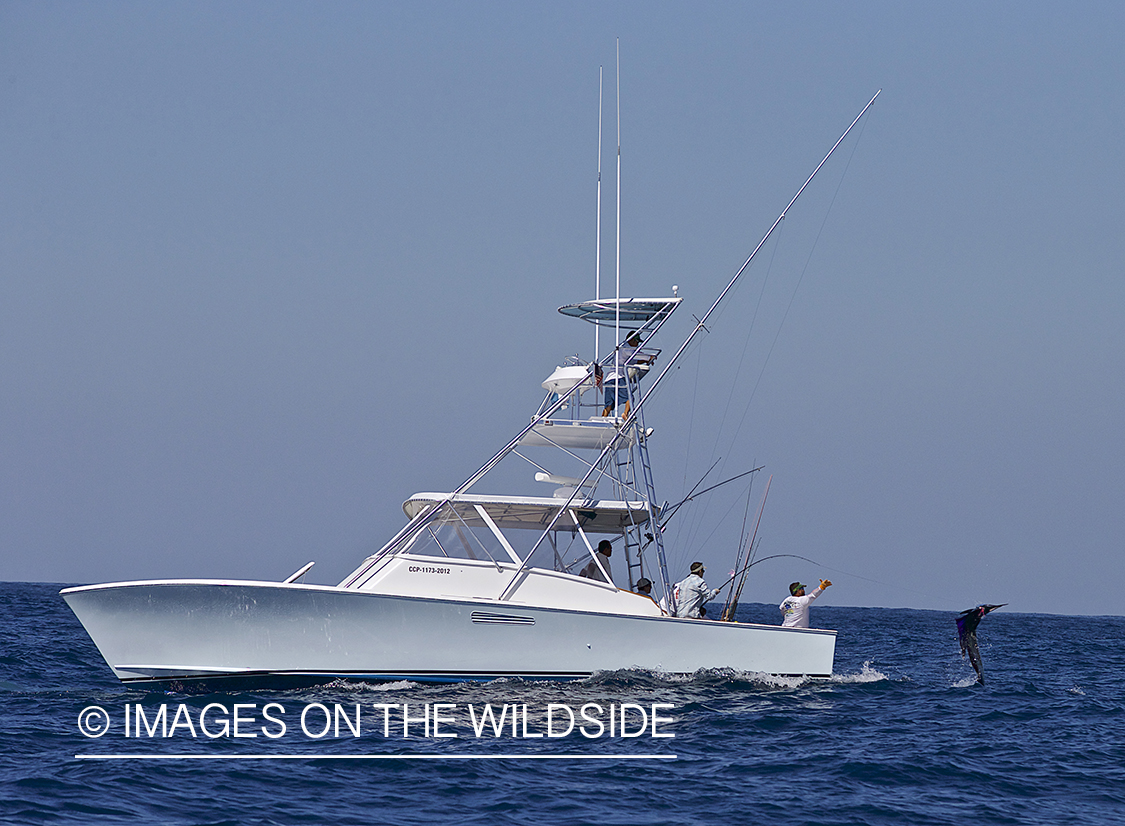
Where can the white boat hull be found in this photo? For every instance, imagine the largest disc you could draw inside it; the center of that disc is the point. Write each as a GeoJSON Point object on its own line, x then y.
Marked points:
{"type": "Point", "coordinates": [197, 629]}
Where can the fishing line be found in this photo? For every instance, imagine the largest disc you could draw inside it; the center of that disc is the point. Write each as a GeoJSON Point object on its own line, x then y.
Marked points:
{"type": "Point", "coordinates": [691, 427]}
{"type": "Point", "coordinates": [781, 325]}
{"type": "Point", "coordinates": [697, 520]}
{"type": "Point", "coordinates": [746, 342]}
{"type": "Point", "coordinates": [691, 525]}
{"type": "Point", "coordinates": [691, 542]}
{"type": "Point", "coordinates": [800, 278]}
{"type": "Point", "coordinates": [742, 540]}
{"type": "Point", "coordinates": [849, 574]}
{"type": "Point", "coordinates": [701, 323]}
{"type": "Point", "coordinates": [691, 415]}
{"type": "Point", "coordinates": [718, 523]}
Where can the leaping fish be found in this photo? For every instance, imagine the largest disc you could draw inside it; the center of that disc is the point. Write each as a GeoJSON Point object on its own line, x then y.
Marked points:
{"type": "Point", "coordinates": [967, 622]}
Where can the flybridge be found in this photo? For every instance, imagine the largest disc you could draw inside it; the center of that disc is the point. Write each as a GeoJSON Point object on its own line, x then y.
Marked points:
{"type": "Point", "coordinates": [613, 500]}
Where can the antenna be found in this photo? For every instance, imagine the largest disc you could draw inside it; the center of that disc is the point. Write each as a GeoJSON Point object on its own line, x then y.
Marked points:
{"type": "Point", "coordinates": [617, 316]}
{"type": "Point", "coordinates": [598, 262]}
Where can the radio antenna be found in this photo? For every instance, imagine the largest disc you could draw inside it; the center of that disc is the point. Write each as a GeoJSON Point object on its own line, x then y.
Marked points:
{"type": "Point", "coordinates": [598, 261]}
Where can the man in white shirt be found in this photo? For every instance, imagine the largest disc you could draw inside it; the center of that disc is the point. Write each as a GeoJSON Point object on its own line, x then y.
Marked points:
{"type": "Point", "coordinates": [795, 607]}
{"type": "Point", "coordinates": [692, 593]}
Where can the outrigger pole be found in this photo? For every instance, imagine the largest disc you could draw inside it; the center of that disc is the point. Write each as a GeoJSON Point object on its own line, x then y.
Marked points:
{"type": "Point", "coordinates": [631, 418]}
{"type": "Point", "coordinates": [701, 322]}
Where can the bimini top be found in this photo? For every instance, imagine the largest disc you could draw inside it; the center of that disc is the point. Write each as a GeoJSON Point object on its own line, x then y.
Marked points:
{"type": "Point", "coordinates": [635, 312]}
{"type": "Point", "coordinates": [534, 512]}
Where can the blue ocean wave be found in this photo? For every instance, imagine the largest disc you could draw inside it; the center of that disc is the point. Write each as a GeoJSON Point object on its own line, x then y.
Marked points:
{"type": "Point", "coordinates": [902, 733]}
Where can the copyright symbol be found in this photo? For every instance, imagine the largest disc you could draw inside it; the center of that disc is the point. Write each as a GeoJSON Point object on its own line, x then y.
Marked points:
{"type": "Point", "coordinates": [93, 721]}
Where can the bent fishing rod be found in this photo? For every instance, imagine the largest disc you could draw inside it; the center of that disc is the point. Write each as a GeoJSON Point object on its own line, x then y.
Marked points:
{"type": "Point", "coordinates": [763, 559]}
{"type": "Point", "coordinates": [736, 593]}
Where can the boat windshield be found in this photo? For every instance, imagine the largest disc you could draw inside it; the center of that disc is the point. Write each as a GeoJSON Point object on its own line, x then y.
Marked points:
{"type": "Point", "coordinates": [465, 530]}
{"type": "Point", "coordinates": [508, 531]}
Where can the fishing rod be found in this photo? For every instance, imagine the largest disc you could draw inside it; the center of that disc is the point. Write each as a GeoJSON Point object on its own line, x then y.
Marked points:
{"type": "Point", "coordinates": [666, 519]}
{"type": "Point", "coordinates": [763, 559]}
{"type": "Point", "coordinates": [746, 550]}
{"type": "Point", "coordinates": [732, 599]}
{"type": "Point", "coordinates": [753, 548]}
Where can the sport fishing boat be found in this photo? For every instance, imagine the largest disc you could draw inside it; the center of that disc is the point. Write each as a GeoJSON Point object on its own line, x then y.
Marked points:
{"type": "Point", "coordinates": [479, 586]}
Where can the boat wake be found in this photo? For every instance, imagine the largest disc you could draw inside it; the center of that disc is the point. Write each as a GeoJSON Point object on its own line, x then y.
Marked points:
{"type": "Point", "coordinates": [729, 678]}
{"type": "Point", "coordinates": [866, 674]}
{"type": "Point", "coordinates": [359, 685]}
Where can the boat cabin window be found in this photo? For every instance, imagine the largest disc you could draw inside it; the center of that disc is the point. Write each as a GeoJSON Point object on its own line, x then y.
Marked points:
{"type": "Point", "coordinates": [450, 537]}
{"type": "Point", "coordinates": [459, 531]}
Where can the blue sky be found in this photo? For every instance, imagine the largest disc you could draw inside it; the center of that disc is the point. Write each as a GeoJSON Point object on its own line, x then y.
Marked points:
{"type": "Point", "coordinates": [266, 269]}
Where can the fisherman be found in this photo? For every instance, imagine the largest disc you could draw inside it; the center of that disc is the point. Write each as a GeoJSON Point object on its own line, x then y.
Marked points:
{"type": "Point", "coordinates": [644, 588]}
{"type": "Point", "coordinates": [795, 607]}
{"type": "Point", "coordinates": [692, 593]}
{"type": "Point", "coordinates": [617, 381]}
{"type": "Point", "coordinates": [592, 571]}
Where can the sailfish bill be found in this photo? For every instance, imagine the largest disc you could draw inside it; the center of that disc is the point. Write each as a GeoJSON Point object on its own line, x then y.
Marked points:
{"type": "Point", "coordinates": [967, 622]}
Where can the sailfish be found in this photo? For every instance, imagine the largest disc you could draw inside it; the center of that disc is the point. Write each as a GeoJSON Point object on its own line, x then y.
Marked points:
{"type": "Point", "coordinates": [967, 622]}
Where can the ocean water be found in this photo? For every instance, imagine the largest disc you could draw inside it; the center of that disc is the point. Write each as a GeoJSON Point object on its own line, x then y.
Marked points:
{"type": "Point", "coordinates": [902, 734]}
